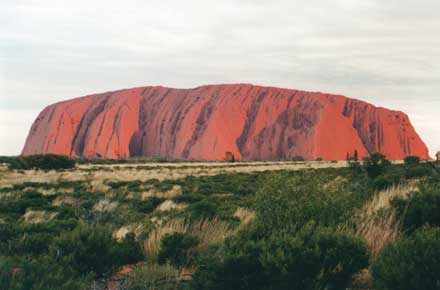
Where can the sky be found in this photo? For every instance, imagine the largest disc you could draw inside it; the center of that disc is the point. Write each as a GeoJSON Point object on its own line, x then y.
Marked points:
{"type": "Point", "coordinates": [384, 52]}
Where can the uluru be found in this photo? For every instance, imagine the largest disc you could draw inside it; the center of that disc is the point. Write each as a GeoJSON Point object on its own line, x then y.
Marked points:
{"type": "Point", "coordinates": [210, 122]}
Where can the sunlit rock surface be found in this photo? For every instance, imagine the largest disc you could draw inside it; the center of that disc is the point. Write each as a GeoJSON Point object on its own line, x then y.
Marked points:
{"type": "Point", "coordinates": [214, 121]}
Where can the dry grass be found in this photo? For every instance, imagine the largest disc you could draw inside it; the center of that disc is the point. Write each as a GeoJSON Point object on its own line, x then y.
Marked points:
{"type": "Point", "coordinates": [105, 205]}
{"type": "Point", "coordinates": [120, 233]}
{"type": "Point", "coordinates": [160, 171]}
{"type": "Point", "coordinates": [98, 186]}
{"type": "Point", "coordinates": [211, 232]}
{"type": "Point", "coordinates": [377, 223]}
{"type": "Point", "coordinates": [208, 232]}
{"type": "Point", "coordinates": [38, 216]}
{"type": "Point", "coordinates": [380, 231]}
{"type": "Point", "coordinates": [152, 243]}
{"type": "Point", "coordinates": [176, 190]}
{"type": "Point", "coordinates": [245, 215]}
{"type": "Point", "coordinates": [382, 198]}
{"type": "Point", "coordinates": [168, 205]}
{"type": "Point", "coordinates": [66, 200]}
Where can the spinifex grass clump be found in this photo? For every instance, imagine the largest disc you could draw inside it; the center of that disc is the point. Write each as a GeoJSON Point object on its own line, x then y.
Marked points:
{"type": "Point", "coordinates": [207, 231]}
{"type": "Point", "coordinates": [377, 222]}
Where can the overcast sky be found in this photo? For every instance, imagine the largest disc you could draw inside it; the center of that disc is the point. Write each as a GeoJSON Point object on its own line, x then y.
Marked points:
{"type": "Point", "coordinates": [384, 52]}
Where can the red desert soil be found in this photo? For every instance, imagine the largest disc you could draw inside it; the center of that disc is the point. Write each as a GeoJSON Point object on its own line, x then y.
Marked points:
{"type": "Point", "coordinates": [214, 121]}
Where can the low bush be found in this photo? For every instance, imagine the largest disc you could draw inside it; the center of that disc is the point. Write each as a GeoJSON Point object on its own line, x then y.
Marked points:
{"type": "Point", "coordinates": [91, 249]}
{"type": "Point", "coordinates": [202, 209]}
{"type": "Point", "coordinates": [146, 206]}
{"type": "Point", "coordinates": [44, 161]}
{"type": "Point", "coordinates": [129, 250]}
{"type": "Point", "coordinates": [411, 160]}
{"type": "Point", "coordinates": [376, 164]}
{"type": "Point", "coordinates": [131, 185]}
{"type": "Point", "coordinates": [421, 208]}
{"type": "Point", "coordinates": [297, 158]}
{"type": "Point", "coordinates": [31, 244]}
{"type": "Point", "coordinates": [412, 263]}
{"type": "Point", "coordinates": [386, 180]}
{"type": "Point", "coordinates": [292, 243]}
{"type": "Point", "coordinates": [355, 168]}
{"type": "Point", "coordinates": [177, 249]}
{"type": "Point", "coordinates": [238, 183]}
{"type": "Point", "coordinates": [67, 212]}
{"type": "Point", "coordinates": [29, 199]}
{"type": "Point", "coordinates": [8, 233]}
{"type": "Point", "coordinates": [42, 273]}
{"type": "Point", "coordinates": [312, 258]}
{"type": "Point", "coordinates": [289, 202]}
{"type": "Point", "coordinates": [153, 277]}
{"type": "Point", "coordinates": [188, 198]}
{"type": "Point", "coordinates": [220, 269]}
{"type": "Point", "coordinates": [418, 171]}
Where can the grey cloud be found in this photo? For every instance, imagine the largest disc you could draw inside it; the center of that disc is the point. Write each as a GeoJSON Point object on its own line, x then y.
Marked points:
{"type": "Point", "coordinates": [385, 52]}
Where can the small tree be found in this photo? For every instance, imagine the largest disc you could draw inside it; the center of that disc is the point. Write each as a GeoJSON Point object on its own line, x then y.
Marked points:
{"type": "Point", "coordinates": [411, 160]}
{"type": "Point", "coordinates": [376, 164]}
{"type": "Point", "coordinates": [229, 156]}
{"type": "Point", "coordinates": [298, 158]}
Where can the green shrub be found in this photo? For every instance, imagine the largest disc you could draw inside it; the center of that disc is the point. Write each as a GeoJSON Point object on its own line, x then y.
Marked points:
{"type": "Point", "coordinates": [66, 212]}
{"type": "Point", "coordinates": [386, 180]}
{"type": "Point", "coordinates": [29, 199]}
{"type": "Point", "coordinates": [355, 168]}
{"type": "Point", "coordinates": [292, 243]}
{"type": "Point", "coordinates": [146, 206]}
{"type": "Point", "coordinates": [297, 158]}
{"type": "Point", "coordinates": [219, 271]}
{"type": "Point", "coordinates": [44, 161]}
{"type": "Point", "coordinates": [376, 164]}
{"type": "Point", "coordinates": [202, 209]}
{"type": "Point", "coordinates": [289, 202]}
{"type": "Point", "coordinates": [238, 183]}
{"type": "Point", "coordinates": [8, 233]}
{"type": "Point", "coordinates": [129, 250]}
{"type": "Point", "coordinates": [421, 208]}
{"type": "Point", "coordinates": [131, 185]}
{"type": "Point", "coordinates": [313, 258]}
{"type": "Point", "coordinates": [418, 171]}
{"type": "Point", "coordinates": [42, 273]}
{"type": "Point", "coordinates": [411, 160]}
{"type": "Point", "coordinates": [177, 249]}
{"type": "Point", "coordinates": [411, 263]}
{"type": "Point", "coordinates": [153, 277]}
{"type": "Point", "coordinates": [32, 244]}
{"type": "Point", "coordinates": [90, 248]}
{"type": "Point", "coordinates": [188, 198]}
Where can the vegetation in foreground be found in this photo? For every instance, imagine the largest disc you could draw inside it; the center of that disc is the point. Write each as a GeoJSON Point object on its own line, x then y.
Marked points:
{"type": "Point", "coordinates": [370, 226]}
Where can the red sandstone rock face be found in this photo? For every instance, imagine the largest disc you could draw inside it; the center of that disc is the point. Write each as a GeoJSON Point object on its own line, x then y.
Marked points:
{"type": "Point", "coordinates": [250, 122]}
